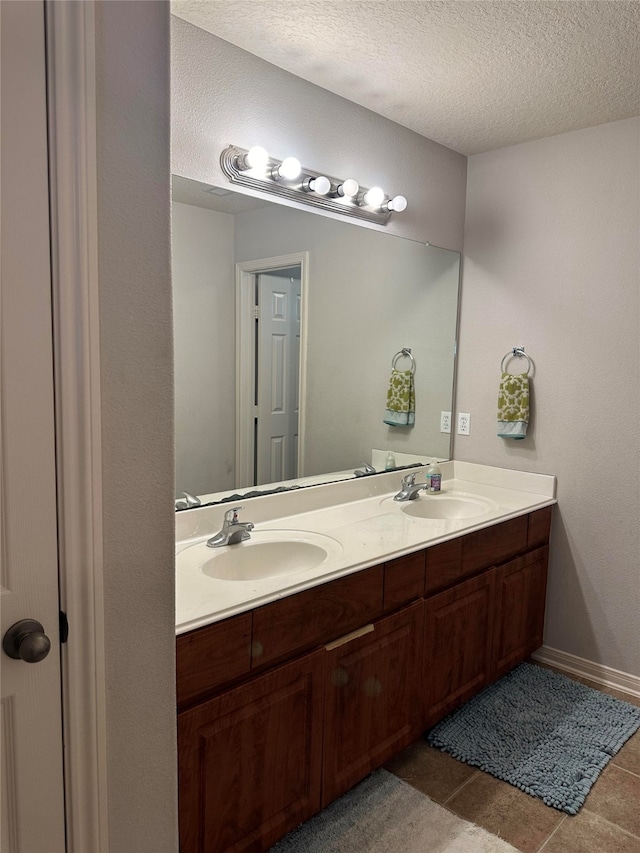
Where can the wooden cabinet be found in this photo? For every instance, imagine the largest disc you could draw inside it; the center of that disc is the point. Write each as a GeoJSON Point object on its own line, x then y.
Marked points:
{"type": "Point", "coordinates": [250, 760]}
{"type": "Point", "coordinates": [478, 629]}
{"type": "Point", "coordinates": [210, 657]}
{"type": "Point", "coordinates": [372, 690]}
{"type": "Point", "coordinates": [521, 588]}
{"type": "Point", "coordinates": [404, 580]}
{"type": "Point", "coordinates": [457, 648]}
{"type": "Point", "coordinates": [315, 616]}
{"type": "Point", "coordinates": [281, 709]}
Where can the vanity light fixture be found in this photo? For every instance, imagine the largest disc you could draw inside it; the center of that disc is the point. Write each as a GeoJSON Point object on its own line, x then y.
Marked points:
{"type": "Point", "coordinates": [320, 185]}
{"type": "Point", "coordinates": [348, 188]}
{"type": "Point", "coordinates": [397, 203]}
{"type": "Point", "coordinates": [254, 168]}
{"type": "Point", "coordinates": [255, 158]}
{"type": "Point", "coordinates": [372, 198]}
{"type": "Point", "coordinates": [289, 169]}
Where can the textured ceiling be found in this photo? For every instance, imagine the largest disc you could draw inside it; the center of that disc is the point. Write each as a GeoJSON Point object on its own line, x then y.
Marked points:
{"type": "Point", "coordinates": [471, 75]}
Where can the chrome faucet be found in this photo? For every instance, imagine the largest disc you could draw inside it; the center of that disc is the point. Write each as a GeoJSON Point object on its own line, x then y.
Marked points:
{"type": "Point", "coordinates": [233, 531]}
{"type": "Point", "coordinates": [366, 469]}
{"type": "Point", "coordinates": [187, 501]}
{"type": "Point", "coordinates": [409, 490]}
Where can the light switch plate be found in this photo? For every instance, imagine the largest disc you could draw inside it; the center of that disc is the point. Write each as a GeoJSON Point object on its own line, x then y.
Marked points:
{"type": "Point", "coordinates": [445, 421]}
{"type": "Point", "coordinates": [464, 423]}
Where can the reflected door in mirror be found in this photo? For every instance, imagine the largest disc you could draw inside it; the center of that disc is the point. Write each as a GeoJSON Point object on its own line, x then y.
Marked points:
{"type": "Point", "coordinates": [277, 375]}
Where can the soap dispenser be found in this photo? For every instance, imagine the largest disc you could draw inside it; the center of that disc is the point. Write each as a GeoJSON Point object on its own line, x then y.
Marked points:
{"type": "Point", "coordinates": [434, 477]}
{"type": "Point", "coordinates": [390, 462]}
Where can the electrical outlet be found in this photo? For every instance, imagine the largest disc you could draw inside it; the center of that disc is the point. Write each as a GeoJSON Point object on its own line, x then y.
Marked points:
{"type": "Point", "coordinates": [464, 423]}
{"type": "Point", "coordinates": [445, 421]}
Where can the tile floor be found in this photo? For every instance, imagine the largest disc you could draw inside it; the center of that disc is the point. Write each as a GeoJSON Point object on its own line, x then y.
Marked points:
{"type": "Point", "coordinates": [609, 821]}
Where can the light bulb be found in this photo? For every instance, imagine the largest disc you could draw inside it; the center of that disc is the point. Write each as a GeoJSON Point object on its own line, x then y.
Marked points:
{"type": "Point", "coordinates": [373, 197]}
{"type": "Point", "coordinates": [319, 185]}
{"type": "Point", "coordinates": [348, 188]}
{"type": "Point", "coordinates": [255, 158]}
{"type": "Point", "coordinates": [289, 169]}
{"type": "Point", "coordinates": [397, 203]}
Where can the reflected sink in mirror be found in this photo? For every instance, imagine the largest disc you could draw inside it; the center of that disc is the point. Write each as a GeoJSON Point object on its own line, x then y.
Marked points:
{"type": "Point", "coordinates": [267, 554]}
{"type": "Point", "coordinates": [459, 506]}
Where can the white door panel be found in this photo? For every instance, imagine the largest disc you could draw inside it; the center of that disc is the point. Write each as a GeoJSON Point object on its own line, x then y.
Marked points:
{"type": "Point", "coordinates": [32, 781]}
{"type": "Point", "coordinates": [278, 377]}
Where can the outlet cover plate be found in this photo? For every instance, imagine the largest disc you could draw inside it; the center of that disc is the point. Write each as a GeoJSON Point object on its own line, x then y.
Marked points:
{"type": "Point", "coordinates": [445, 421]}
{"type": "Point", "coordinates": [464, 423]}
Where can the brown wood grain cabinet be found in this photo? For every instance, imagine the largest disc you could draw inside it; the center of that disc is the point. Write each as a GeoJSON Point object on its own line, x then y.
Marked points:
{"type": "Point", "coordinates": [458, 645]}
{"type": "Point", "coordinates": [521, 589]}
{"type": "Point", "coordinates": [373, 707]}
{"type": "Point", "coordinates": [283, 708]}
{"type": "Point", "coordinates": [249, 760]}
{"type": "Point", "coordinates": [212, 656]}
{"type": "Point", "coordinates": [316, 615]}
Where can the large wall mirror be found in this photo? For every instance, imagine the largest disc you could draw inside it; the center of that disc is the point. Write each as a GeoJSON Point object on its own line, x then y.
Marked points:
{"type": "Point", "coordinates": [286, 326]}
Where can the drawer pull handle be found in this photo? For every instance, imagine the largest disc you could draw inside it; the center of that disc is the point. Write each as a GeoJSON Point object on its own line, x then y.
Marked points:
{"type": "Point", "coordinates": [361, 632]}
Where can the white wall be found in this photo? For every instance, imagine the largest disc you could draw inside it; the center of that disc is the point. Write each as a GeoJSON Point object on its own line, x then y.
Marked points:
{"type": "Point", "coordinates": [552, 263]}
{"type": "Point", "coordinates": [136, 366]}
{"type": "Point", "coordinates": [223, 95]}
{"type": "Point", "coordinates": [204, 333]}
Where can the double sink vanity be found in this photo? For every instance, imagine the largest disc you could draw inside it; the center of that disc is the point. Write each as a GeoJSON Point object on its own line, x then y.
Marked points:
{"type": "Point", "coordinates": [347, 624]}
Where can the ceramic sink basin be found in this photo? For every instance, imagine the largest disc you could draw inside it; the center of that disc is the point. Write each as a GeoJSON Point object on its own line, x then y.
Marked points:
{"type": "Point", "coordinates": [447, 506]}
{"type": "Point", "coordinates": [266, 554]}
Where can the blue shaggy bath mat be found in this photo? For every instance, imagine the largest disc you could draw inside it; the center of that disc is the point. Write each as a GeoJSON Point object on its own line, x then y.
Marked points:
{"type": "Point", "coordinates": [540, 731]}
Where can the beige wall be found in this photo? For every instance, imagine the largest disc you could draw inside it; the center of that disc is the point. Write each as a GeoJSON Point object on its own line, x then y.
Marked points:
{"type": "Point", "coordinates": [205, 349]}
{"type": "Point", "coordinates": [137, 423]}
{"type": "Point", "coordinates": [223, 95]}
{"type": "Point", "coordinates": [551, 263]}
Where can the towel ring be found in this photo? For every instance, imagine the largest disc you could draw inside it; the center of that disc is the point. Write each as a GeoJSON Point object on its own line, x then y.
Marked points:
{"type": "Point", "coordinates": [405, 352]}
{"type": "Point", "coordinates": [519, 353]}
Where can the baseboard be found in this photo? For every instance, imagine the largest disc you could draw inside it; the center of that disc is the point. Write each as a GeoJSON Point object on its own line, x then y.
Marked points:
{"type": "Point", "coordinates": [597, 672]}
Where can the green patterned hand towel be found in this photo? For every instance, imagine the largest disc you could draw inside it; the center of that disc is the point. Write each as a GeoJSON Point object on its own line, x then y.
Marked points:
{"type": "Point", "coordinates": [513, 405]}
{"type": "Point", "coordinates": [401, 399]}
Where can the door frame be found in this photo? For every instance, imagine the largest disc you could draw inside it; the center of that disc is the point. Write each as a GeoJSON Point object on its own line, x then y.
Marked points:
{"type": "Point", "coordinates": [246, 358]}
{"type": "Point", "coordinates": [70, 37]}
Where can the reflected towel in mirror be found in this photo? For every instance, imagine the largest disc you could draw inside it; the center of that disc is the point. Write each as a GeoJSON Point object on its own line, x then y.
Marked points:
{"type": "Point", "coordinates": [401, 399]}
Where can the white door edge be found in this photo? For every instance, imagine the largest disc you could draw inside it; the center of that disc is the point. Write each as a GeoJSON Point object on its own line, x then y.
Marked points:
{"type": "Point", "coordinates": [245, 358]}
{"type": "Point", "coordinates": [70, 31]}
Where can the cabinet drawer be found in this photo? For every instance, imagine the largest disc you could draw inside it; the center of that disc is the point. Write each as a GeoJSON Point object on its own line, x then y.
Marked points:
{"type": "Point", "coordinates": [539, 527]}
{"type": "Point", "coordinates": [404, 580]}
{"type": "Point", "coordinates": [494, 545]}
{"type": "Point", "coordinates": [444, 566]}
{"type": "Point", "coordinates": [316, 616]}
{"type": "Point", "coordinates": [212, 656]}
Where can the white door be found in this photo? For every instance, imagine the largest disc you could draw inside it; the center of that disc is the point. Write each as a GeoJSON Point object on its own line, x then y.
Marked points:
{"type": "Point", "coordinates": [278, 374]}
{"type": "Point", "coordinates": [32, 781]}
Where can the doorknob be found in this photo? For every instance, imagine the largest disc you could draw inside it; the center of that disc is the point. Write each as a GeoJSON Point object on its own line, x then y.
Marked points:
{"type": "Point", "coordinates": [26, 641]}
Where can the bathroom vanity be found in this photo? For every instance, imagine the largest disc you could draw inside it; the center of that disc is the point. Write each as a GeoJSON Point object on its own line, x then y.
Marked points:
{"type": "Point", "coordinates": [288, 701]}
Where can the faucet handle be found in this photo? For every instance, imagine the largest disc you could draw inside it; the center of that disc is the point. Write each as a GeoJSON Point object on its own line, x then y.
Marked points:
{"type": "Point", "coordinates": [231, 515]}
{"type": "Point", "coordinates": [409, 479]}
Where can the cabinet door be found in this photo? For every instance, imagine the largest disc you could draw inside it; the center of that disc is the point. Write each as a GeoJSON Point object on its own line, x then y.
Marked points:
{"type": "Point", "coordinates": [372, 698]}
{"type": "Point", "coordinates": [520, 594]}
{"type": "Point", "coordinates": [250, 761]}
{"type": "Point", "coordinates": [457, 653]}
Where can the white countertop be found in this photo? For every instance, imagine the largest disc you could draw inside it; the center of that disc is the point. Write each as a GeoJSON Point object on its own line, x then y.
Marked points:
{"type": "Point", "coordinates": [364, 525]}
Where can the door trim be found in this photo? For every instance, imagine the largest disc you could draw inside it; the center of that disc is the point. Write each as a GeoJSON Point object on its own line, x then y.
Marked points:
{"type": "Point", "coordinates": [245, 358]}
{"type": "Point", "coordinates": [70, 34]}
